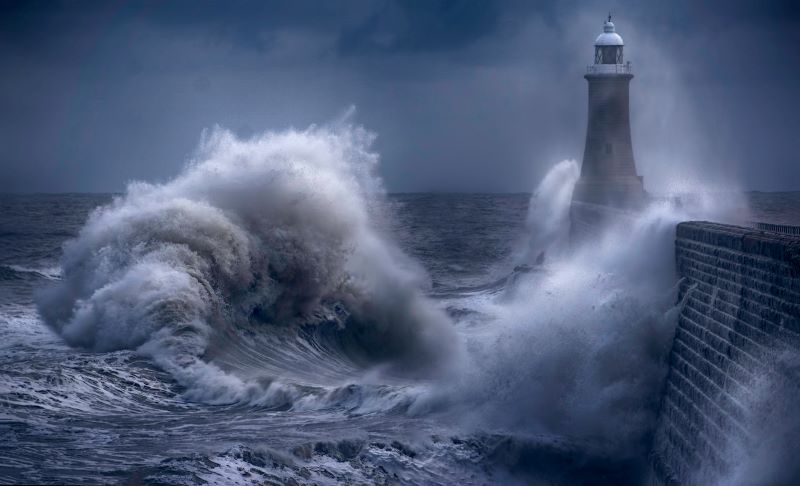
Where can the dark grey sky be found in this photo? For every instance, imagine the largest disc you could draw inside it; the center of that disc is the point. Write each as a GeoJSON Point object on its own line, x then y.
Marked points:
{"type": "Point", "coordinates": [464, 95]}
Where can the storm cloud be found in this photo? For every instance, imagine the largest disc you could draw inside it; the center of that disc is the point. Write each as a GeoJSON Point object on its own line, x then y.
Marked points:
{"type": "Point", "coordinates": [464, 96]}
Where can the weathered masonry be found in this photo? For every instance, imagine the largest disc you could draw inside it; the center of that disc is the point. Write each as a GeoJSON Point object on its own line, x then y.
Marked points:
{"type": "Point", "coordinates": [740, 291]}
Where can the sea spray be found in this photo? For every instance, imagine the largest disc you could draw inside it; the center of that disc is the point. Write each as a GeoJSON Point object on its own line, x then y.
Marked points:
{"type": "Point", "coordinates": [266, 234]}
{"type": "Point", "coordinates": [548, 213]}
{"type": "Point", "coordinates": [762, 448]}
{"type": "Point", "coordinates": [576, 347]}
{"type": "Point", "coordinates": [574, 350]}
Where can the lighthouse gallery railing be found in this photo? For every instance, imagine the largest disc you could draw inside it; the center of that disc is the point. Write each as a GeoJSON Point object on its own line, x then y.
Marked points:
{"type": "Point", "coordinates": [609, 68]}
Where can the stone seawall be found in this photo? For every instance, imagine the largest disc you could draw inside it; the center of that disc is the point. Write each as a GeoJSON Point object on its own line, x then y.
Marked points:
{"type": "Point", "coordinates": [740, 292]}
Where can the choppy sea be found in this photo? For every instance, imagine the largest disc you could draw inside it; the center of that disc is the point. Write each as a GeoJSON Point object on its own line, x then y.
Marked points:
{"type": "Point", "coordinates": [86, 397]}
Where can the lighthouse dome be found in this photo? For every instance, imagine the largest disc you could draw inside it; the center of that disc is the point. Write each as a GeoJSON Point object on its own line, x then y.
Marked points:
{"type": "Point", "coordinates": [609, 37]}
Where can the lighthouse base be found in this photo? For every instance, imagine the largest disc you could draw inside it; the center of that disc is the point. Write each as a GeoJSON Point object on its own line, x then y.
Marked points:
{"type": "Point", "coordinates": [599, 203]}
{"type": "Point", "coordinates": [617, 192]}
{"type": "Point", "coordinates": [588, 222]}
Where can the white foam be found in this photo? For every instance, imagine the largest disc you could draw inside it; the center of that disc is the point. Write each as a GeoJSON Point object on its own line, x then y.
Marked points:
{"type": "Point", "coordinates": [576, 348]}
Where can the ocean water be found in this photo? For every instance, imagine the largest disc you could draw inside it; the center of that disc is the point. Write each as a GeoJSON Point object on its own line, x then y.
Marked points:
{"type": "Point", "coordinates": [254, 321]}
{"type": "Point", "coordinates": [75, 416]}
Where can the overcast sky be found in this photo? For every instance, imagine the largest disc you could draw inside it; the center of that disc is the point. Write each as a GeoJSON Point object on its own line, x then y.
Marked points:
{"type": "Point", "coordinates": [464, 95]}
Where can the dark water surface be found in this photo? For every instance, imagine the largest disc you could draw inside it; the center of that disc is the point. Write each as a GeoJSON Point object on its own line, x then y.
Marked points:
{"type": "Point", "coordinates": [73, 416]}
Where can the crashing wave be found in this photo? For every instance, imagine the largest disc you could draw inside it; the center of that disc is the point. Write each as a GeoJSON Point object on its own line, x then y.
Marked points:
{"type": "Point", "coordinates": [253, 237]}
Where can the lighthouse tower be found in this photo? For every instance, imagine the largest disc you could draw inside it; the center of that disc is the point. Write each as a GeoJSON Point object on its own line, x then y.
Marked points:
{"type": "Point", "coordinates": [608, 174]}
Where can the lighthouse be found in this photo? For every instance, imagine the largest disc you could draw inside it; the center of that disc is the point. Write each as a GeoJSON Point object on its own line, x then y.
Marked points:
{"type": "Point", "coordinates": [608, 173]}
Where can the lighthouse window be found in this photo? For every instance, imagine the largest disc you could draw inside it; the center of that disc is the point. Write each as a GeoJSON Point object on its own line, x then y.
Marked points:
{"type": "Point", "coordinates": [609, 54]}
{"type": "Point", "coordinates": [608, 148]}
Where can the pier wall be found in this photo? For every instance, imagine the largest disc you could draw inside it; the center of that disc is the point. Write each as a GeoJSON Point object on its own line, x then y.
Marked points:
{"type": "Point", "coordinates": [740, 292]}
